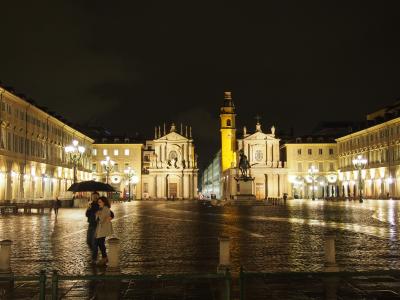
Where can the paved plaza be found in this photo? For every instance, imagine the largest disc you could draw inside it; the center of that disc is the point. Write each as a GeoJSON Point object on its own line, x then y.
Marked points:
{"type": "Point", "coordinates": [161, 237]}
{"type": "Point", "coordinates": [171, 236]}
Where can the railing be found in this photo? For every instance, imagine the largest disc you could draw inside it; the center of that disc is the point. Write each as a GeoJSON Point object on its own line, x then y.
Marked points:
{"type": "Point", "coordinates": [330, 279]}
{"type": "Point", "coordinates": [56, 278]}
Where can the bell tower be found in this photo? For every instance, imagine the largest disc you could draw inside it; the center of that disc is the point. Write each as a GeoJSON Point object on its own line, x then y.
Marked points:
{"type": "Point", "coordinates": [228, 133]}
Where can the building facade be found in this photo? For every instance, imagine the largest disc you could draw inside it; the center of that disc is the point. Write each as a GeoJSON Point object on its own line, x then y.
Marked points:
{"type": "Point", "coordinates": [211, 179]}
{"type": "Point", "coordinates": [171, 166]}
{"type": "Point", "coordinates": [380, 145]}
{"type": "Point", "coordinates": [301, 155]}
{"type": "Point", "coordinates": [125, 154]}
{"type": "Point", "coordinates": [33, 162]}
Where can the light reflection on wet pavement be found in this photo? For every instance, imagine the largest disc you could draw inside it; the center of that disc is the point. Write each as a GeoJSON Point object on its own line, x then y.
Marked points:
{"type": "Point", "coordinates": [174, 237]}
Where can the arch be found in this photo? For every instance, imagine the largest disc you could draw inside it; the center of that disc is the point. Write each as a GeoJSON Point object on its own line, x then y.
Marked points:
{"type": "Point", "coordinates": [228, 122]}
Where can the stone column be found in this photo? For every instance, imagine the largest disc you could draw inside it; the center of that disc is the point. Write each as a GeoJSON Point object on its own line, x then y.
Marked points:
{"type": "Point", "coordinates": [8, 178]}
{"type": "Point", "coordinates": [195, 186]}
{"type": "Point", "coordinates": [21, 181]}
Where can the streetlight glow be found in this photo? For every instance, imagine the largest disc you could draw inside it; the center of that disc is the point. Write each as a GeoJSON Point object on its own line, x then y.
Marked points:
{"type": "Point", "coordinates": [360, 163]}
{"type": "Point", "coordinates": [108, 165]}
{"type": "Point", "coordinates": [75, 153]}
{"type": "Point", "coordinates": [131, 177]}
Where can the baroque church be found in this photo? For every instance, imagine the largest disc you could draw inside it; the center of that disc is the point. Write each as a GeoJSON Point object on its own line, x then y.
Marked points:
{"type": "Point", "coordinates": [267, 172]}
{"type": "Point", "coordinates": [172, 165]}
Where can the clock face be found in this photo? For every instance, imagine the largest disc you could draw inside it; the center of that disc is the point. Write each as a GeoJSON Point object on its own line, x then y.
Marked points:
{"type": "Point", "coordinates": [258, 155]}
{"type": "Point", "coordinates": [173, 155]}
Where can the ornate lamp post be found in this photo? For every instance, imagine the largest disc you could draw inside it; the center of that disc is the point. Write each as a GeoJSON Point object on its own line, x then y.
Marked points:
{"type": "Point", "coordinates": [312, 171]}
{"type": "Point", "coordinates": [75, 154]}
{"type": "Point", "coordinates": [108, 165]}
{"type": "Point", "coordinates": [360, 163]}
{"type": "Point", "coordinates": [130, 175]}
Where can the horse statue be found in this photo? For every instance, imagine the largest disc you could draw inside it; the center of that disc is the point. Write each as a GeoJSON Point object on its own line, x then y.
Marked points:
{"type": "Point", "coordinates": [244, 164]}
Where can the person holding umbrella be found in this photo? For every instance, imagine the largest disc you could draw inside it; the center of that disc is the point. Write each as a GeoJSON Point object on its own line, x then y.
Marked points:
{"type": "Point", "coordinates": [91, 218]}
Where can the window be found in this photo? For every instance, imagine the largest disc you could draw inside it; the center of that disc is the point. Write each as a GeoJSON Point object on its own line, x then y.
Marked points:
{"type": "Point", "coordinates": [330, 151]}
{"type": "Point", "coordinates": [300, 167]}
{"type": "Point", "coordinates": [309, 151]}
{"type": "Point", "coordinates": [146, 158]}
{"type": "Point", "coordinates": [228, 122]}
{"type": "Point", "coordinates": [126, 151]}
{"type": "Point", "coordinates": [116, 152]}
{"type": "Point", "coordinates": [321, 167]}
{"type": "Point", "coordinates": [145, 187]}
{"type": "Point", "coordinates": [105, 152]}
{"type": "Point", "coordinates": [331, 166]}
{"type": "Point", "coordinates": [94, 152]}
{"type": "Point", "coordinates": [116, 169]}
{"type": "Point", "coordinates": [320, 151]}
{"type": "Point", "coordinates": [298, 151]}
{"type": "Point", "coordinates": [94, 167]}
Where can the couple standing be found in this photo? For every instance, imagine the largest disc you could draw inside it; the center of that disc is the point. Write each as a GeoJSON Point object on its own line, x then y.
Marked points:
{"type": "Point", "coordinates": [99, 217]}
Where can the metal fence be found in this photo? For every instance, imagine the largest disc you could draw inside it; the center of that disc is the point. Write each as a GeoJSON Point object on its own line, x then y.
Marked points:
{"type": "Point", "coordinates": [42, 279]}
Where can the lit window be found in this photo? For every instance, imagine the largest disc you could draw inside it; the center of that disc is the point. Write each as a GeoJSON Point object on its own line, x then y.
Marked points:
{"type": "Point", "coordinates": [105, 152]}
{"type": "Point", "coordinates": [94, 152]}
{"type": "Point", "coordinates": [126, 151]}
{"type": "Point", "coordinates": [116, 152]}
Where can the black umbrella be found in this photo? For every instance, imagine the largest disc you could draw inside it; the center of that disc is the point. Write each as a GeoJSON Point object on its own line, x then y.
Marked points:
{"type": "Point", "coordinates": [90, 186]}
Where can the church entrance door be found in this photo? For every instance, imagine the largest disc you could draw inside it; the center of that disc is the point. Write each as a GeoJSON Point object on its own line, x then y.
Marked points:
{"type": "Point", "coordinates": [173, 190]}
{"type": "Point", "coordinates": [259, 191]}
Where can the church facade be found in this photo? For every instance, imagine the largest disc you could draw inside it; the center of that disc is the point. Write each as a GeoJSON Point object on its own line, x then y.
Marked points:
{"type": "Point", "coordinates": [172, 168]}
{"type": "Point", "coordinates": [267, 172]}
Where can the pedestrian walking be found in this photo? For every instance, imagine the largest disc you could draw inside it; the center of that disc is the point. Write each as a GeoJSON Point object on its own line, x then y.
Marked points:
{"type": "Point", "coordinates": [104, 229]}
{"type": "Point", "coordinates": [91, 218]}
{"type": "Point", "coordinates": [56, 206]}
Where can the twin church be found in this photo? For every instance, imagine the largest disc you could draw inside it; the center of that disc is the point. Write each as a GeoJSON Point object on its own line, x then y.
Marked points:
{"type": "Point", "coordinates": [269, 177]}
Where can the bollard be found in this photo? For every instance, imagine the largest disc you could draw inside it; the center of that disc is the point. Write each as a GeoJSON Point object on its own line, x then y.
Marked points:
{"type": "Point", "coordinates": [113, 255]}
{"type": "Point", "coordinates": [224, 253]}
{"type": "Point", "coordinates": [5, 255]}
{"type": "Point", "coordinates": [330, 254]}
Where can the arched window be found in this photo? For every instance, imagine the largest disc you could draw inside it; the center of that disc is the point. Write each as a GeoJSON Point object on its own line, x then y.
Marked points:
{"type": "Point", "coordinates": [228, 122]}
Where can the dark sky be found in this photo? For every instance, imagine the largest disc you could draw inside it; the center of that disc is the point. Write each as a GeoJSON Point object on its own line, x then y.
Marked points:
{"type": "Point", "coordinates": [130, 65]}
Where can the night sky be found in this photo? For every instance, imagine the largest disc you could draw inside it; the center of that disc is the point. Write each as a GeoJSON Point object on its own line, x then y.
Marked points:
{"type": "Point", "coordinates": [130, 65]}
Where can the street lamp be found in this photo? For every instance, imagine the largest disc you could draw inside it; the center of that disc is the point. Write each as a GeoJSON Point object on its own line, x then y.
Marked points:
{"type": "Point", "coordinates": [108, 165]}
{"type": "Point", "coordinates": [75, 154]}
{"type": "Point", "coordinates": [130, 175]}
{"type": "Point", "coordinates": [312, 171]}
{"type": "Point", "coordinates": [360, 163]}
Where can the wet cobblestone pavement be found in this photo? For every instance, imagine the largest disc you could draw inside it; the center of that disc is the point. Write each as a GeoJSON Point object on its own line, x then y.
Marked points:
{"type": "Point", "coordinates": [176, 237]}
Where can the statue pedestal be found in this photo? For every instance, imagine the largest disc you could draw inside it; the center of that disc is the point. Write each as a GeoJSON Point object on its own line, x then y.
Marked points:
{"type": "Point", "coordinates": [245, 190]}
